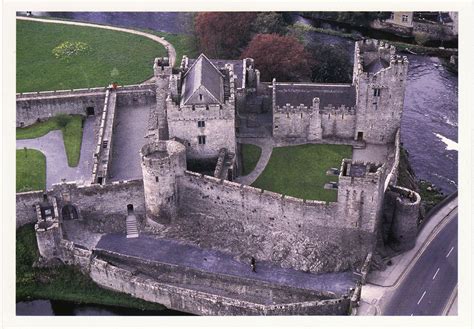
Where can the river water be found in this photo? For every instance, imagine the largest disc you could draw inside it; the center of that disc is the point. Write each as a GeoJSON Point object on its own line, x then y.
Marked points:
{"type": "Point", "coordinates": [429, 125]}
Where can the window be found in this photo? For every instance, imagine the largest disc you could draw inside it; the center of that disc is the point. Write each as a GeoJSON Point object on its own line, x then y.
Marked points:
{"type": "Point", "coordinates": [405, 18]}
{"type": "Point", "coordinates": [201, 124]}
{"type": "Point", "coordinates": [202, 140]}
{"type": "Point", "coordinates": [376, 92]}
{"type": "Point", "coordinates": [200, 97]}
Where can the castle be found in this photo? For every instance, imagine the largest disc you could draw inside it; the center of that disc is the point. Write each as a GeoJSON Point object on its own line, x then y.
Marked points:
{"type": "Point", "coordinates": [200, 112]}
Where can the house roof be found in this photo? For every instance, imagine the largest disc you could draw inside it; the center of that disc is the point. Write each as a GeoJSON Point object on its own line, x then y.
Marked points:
{"type": "Point", "coordinates": [220, 63]}
{"type": "Point", "coordinates": [334, 94]}
{"type": "Point", "coordinates": [203, 75]}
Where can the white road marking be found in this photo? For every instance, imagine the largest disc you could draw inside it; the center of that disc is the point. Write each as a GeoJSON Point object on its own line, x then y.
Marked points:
{"type": "Point", "coordinates": [449, 252]}
{"type": "Point", "coordinates": [419, 301]}
{"type": "Point", "coordinates": [434, 276]}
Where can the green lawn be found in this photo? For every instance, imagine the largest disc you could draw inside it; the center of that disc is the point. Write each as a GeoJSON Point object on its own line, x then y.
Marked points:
{"type": "Point", "coordinates": [30, 170]}
{"type": "Point", "coordinates": [113, 56]}
{"type": "Point", "coordinates": [250, 156]}
{"type": "Point", "coordinates": [300, 171]}
{"type": "Point", "coordinates": [183, 44]}
{"type": "Point", "coordinates": [62, 282]}
{"type": "Point", "coordinates": [70, 125]}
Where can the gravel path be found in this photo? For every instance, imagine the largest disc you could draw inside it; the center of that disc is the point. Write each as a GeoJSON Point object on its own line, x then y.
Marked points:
{"type": "Point", "coordinates": [266, 144]}
{"type": "Point", "coordinates": [52, 146]}
{"type": "Point", "coordinates": [172, 252]}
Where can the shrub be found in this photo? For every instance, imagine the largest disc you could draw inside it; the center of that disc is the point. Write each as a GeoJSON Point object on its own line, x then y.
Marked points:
{"type": "Point", "coordinates": [67, 50]}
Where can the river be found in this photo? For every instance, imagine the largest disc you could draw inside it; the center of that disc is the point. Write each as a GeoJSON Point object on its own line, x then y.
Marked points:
{"type": "Point", "coordinates": [429, 129]}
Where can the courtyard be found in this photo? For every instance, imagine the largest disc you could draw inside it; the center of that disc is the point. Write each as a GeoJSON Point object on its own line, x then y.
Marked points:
{"type": "Point", "coordinates": [300, 171]}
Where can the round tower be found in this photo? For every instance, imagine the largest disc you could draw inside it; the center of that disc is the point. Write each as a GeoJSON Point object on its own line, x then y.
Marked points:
{"type": "Point", "coordinates": [405, 220]}
{"type": "Point", "coordinates": [162, 163]}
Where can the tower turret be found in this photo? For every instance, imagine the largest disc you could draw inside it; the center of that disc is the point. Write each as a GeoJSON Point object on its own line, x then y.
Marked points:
{"type": "Point", "coordinates": [162, 71]}
{"type": "Point", "coordinates": [360, 194]}
{"type": "Point", "coordinates": [380, 78]}
{"type": "Point", "coordinates": [162, 163]}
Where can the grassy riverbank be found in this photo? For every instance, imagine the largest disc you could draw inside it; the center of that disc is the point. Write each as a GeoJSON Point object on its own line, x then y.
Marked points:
{"type": "Point", "coordinates": [106, 56]}
{"type": "Point", "coordinates": [71, 127]}
{"type": "Point", "coordinates": [30, 170]}
{"type": "Point", "coordinates": [61, 282]}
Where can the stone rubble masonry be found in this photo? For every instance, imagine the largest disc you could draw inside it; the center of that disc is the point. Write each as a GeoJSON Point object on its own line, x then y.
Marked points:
{"type": "Point", "coordinates": [219, 119]}
{"type": "Point", "coordinates": [302, 234]}
{"type": "Point", "coordinates": [375, 119]}
{"type": "Point", "coordinates": [162, 71]}
{"type": "Point", "coordinates": [43, 105]}
{"type": "Point", "coordinates": [101, 207]}
{"type": "Point", "coordinates": [103, 151]}
{"type": "Point", "coordinates": [379, 117]}
{"type": "Point", "coordinates": [163, 162]}
{"type": "Point", "coordinates": [403, 207]}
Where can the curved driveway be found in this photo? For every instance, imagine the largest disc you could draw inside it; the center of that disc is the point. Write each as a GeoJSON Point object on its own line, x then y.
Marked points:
{"type": "Point", "coordinates": [52, 146]}
{"type": "Point", "coordinates": [169, 47]}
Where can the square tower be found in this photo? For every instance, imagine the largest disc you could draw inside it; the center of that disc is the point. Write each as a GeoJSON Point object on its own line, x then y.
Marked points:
{"type": "Point", "coordinates": [380, 78]}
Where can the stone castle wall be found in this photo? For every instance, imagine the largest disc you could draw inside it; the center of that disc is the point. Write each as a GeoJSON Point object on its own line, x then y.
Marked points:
{"type": "Point", "coordinates": [312, 123]}
{"type": "Point", "coordinates": [305, 235]}
{"type": "Point", "coordinates": [102, 207]}
{"type": "Point", "coordinates": [197, 302]}
{"type": "Point", "coordinates": [34, 106]}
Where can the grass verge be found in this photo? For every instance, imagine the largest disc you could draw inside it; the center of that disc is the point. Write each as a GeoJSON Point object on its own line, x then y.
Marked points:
{"type": "Point", "coordinates": [300, 171]}
{"type": "Point", "coordinates": [250, 156]}
{"type": "Point", "coordinates": [30, 170]}
{"type": "Point", "coordinates": [62, 282]}
{"type": "Point", "coordinates": [70, 125]}
{"type": "Point", "coordinates": [112, 56]}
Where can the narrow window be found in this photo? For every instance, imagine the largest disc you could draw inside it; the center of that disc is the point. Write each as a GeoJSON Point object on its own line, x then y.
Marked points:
{"type": "Point", "coordinates": [202, 140]}
{"type": "Point", "coordinates": [201, 124]}
{"type": "Point", "coordinates": [376, 92]}
{"type": "Point", "coordinates": [200, 97]}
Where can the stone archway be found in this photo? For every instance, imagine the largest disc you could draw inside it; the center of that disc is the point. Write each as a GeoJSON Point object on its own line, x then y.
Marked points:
{"type": "Point", "coordinates": [69, 212]}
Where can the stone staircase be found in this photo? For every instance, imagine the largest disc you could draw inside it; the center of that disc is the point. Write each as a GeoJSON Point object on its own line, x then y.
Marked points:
{"type": "Point", "coordinates": [132, 227]}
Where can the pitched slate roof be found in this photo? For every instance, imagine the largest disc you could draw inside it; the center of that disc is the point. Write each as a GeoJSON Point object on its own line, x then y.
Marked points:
{"type": "Point", "coordinates": [205, 77]}
{"type": "Point", "coordinates": [220, 63]}
{"type": "Point", "coordinates": [334, 94]}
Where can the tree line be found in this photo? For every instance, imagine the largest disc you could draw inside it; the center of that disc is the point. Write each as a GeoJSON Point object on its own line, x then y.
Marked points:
{"type": "Point", "coordinates": [279, 49]}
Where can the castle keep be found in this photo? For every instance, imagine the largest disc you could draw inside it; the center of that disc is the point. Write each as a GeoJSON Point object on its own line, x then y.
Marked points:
{"type": "Point", "coordinates": [202, 111]}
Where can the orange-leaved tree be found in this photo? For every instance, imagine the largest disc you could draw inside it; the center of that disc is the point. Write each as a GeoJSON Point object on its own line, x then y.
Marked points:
{"type": "Point", "coordinates": [223, 34]}
{"type": "Point", "coordinates": [280, 57]}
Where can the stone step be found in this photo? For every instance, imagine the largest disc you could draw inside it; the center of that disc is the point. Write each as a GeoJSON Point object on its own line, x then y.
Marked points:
{"type": "Point", "coordinates": [132, 228]}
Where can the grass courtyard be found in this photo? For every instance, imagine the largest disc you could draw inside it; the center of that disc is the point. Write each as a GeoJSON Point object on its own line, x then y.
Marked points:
{"type": "Point", "coordinates": [61, 282]}
{"type": "Point", "coordinates": [30, 170]}
{"type": "Point", "coordinates": [250, 156]}
{"type": "Point", "coordinates": [70, 125]}
{"type": "Point", "coordinates": [300, 171]}
{"type": "Point", "coordinates": [102, 56]}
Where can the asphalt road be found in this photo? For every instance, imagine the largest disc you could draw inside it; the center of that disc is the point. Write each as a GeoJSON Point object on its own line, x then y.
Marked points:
{"type": "Point", "coordinates": [430, 282]}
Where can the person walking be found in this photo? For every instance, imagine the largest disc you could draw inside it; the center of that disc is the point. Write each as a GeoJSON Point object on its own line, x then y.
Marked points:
{"type": "Point", "coordinates": [252, 264]}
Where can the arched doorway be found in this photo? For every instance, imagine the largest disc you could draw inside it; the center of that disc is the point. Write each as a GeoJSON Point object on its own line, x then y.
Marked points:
{"type": "Point", "coordinates": [69, 212]}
